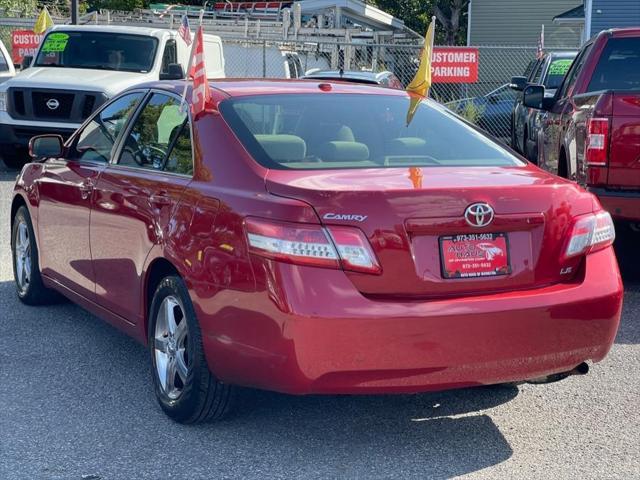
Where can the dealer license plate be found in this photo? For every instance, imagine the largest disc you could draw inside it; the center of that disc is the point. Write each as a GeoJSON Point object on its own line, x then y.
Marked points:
{"type": "Point", "coordinates": [475, 255]}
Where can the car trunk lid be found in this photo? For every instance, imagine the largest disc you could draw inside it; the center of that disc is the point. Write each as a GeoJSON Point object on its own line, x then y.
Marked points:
{"type": "Point", "coordinates": [406, 212]}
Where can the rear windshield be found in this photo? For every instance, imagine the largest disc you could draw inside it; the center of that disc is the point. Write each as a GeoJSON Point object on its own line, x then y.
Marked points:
{"type": "Point", "coordinates": [98, 50]}
{"type": "Point", "coordinates": [557, 70]}
{"type": "Point", "coordinates": [318, 131]}
{"type": "Point", "coordinates": [618, 67]}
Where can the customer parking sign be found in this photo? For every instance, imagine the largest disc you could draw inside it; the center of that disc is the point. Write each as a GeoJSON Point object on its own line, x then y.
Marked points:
{"type": "Point", "coordinates": [454, 65]}
{"type": "Point", "coordinates": [24, 43]}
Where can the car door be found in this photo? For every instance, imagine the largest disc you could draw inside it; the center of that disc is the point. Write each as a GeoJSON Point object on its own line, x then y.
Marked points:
{"type": "Point", "coordinates": [557, 121]}
{"type": "Point", "coordinates": [135, 198]}
{"type": "Point", "coordinates": [65, 189]}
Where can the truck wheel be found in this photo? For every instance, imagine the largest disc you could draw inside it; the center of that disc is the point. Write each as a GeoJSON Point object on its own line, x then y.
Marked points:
{"type": "Point", "coordinates": [563, 171]}
{"type": "Point", "coordinates": [185, 388]}
{"type": "Point", "coordinates": [14, 158]}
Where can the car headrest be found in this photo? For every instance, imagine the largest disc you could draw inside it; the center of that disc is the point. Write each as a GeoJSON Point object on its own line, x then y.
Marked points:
{"type": "Point", "coordinates": [283, 148]}
{"type": "Point", "coordinates": [345, 134]}
{"type": "Point", "coordinates": [343, 151]}
{"type": "Point", "coordinates": [405, 145]}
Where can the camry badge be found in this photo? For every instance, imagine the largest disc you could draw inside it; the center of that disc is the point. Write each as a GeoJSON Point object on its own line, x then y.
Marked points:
{"type": "Point", "coordinates": [52, 104]}
{"type": "Point", "coordinates": [479, 214]}
{"type": "Point", "coordinates": [344, 216]}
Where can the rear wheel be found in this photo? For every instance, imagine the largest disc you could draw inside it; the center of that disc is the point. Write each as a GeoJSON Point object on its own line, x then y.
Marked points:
{"type": "Point", "coordinates": [26, 267]}
{"type": "Point", "coordinates": [185, 388]}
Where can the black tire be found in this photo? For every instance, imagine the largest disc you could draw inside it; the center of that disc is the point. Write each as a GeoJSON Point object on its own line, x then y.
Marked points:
{"type": "Point", "coordinates": [15, 158]}
{"type": "Point", "coordinates": [31, 291]}
{"type": "Point", "coordinates": [563, 169]}
{"type": "Point", "coordinates": [201, 396]}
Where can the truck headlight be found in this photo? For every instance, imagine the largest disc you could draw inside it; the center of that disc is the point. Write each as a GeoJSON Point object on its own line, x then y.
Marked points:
{"type": "Point", "coordinates": [3, 101]}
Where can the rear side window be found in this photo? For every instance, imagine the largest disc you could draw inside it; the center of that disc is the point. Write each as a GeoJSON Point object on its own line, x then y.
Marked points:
{"type": "Point", "coordinates": [618, 67]}
{"type": "Point", "coordinates": [572, 75]}
{"type": "Point", "coordinates": [159, 138]}
{"type": "Point", "coordinates": [329, 131]}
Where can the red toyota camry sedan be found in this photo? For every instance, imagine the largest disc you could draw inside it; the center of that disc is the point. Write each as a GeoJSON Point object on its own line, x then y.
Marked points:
{"type": "Point", "coordinates": [309, 237]}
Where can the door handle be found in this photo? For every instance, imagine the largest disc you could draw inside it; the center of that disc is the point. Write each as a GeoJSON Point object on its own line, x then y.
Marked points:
{"type": "Point", "coordinates": [160, 199]}
{"type": "Point", "coordinates": [86, 188]}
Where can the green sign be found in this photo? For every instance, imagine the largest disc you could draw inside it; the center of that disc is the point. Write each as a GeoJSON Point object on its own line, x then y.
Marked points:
{"type": "Point", "coordinates": [55, 42]}
{"type": "Point", "coordinates": [560, 67]}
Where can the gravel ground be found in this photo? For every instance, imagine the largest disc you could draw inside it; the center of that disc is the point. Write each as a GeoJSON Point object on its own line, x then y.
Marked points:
{"type": "Point", "coordinates": [76, 403]}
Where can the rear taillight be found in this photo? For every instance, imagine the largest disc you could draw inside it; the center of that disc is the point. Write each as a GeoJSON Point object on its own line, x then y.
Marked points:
{"type": "Point", "coordinates": [597, 142]}
{"type": "Point", "coordinates": [304, 244]}
{"type": "Point", "coordinates": [590, 233]}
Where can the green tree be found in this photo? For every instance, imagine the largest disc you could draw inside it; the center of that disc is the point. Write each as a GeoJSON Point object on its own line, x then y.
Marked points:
{"type": "Point", "coordinates": [122, 5]}
{"type": "Point", "coordinates": [451, 14]}
{"type": "Point", "coordinates": [18, 7]}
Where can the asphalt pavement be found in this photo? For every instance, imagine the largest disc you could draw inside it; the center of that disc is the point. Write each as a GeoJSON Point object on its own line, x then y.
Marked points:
{"type": "Point", "coordinates": [76, 403]}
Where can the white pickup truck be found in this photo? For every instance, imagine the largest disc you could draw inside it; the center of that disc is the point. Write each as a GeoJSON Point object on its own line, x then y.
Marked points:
{"type": "Point", "coordinates": [78, 68]}
{"type": "Point", "coordinates": [6, 64]}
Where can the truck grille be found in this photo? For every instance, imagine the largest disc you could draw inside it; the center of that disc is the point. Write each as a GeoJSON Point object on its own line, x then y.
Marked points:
{"type": "Point", "coordinates": [52, 105]}
{"type": "Point", "coordinates": [18, 102]}
{"type": "Point", "coordinates": [63, 106]}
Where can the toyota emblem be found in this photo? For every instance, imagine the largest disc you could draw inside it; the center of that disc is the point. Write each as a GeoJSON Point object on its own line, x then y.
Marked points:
{"type": "Point", "coordinates": [479, 214]}
{"type": "Point", "coordinates": [52, 104]}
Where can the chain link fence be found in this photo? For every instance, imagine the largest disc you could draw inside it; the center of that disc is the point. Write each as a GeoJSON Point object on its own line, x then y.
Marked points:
{"type": "Point", "coordinates": [487, 102]}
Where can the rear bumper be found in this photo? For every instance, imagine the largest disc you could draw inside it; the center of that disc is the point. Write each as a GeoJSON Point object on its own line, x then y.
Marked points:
{"type": "Point", "coordinates": [622, 204]}
{"type": "Point", "coordinates": [324, 337]}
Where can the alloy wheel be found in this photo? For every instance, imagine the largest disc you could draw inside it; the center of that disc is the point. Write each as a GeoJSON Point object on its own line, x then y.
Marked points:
{"type": "Point", "coordinates": [170, 347]}
{"type": "Point", "coordinates": [22, 256]}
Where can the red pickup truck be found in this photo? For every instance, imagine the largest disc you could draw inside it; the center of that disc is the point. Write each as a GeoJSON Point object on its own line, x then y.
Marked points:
{"type": "Point", "coordinates": [590, 130]}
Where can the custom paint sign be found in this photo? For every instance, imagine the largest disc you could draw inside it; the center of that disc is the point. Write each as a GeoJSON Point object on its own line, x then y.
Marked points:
{"type": "Point", "coordinates": [454, 65]}
{"type": "Point", "coordinates": [24, 43]}
{"type": "Point", "coordinates": [475, 255]}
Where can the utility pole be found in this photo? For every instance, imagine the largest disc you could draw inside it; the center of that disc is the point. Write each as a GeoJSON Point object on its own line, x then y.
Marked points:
{"type": "Point", "coordinates": [74, 12]}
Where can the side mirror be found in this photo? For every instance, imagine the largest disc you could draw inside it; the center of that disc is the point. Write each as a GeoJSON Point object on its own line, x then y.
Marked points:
{"type": "Point", "coordinates": [518, 83]}
{"type": "Point", "coordinates": [46, 146]}
{"type": "Point", "coordinates": [534, 97]}
{"type": "Point", "coordinates": [26, 62]}
{"type": "Point", "coordinates": [174, 72]}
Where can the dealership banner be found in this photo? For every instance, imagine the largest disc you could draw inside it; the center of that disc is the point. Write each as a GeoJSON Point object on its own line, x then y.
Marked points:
{"type": "Point", "coordinates": [454, 65]}
{"type": "Point", "coordinates": [24, 43]}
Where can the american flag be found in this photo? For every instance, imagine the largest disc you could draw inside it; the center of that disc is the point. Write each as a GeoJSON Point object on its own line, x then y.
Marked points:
{"type": "Point", "coordinates": [201, 93]}
{"type": "Point", "coordinates": [540, 52]}
{"type": "Point", "coordinates": [184, 31]}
